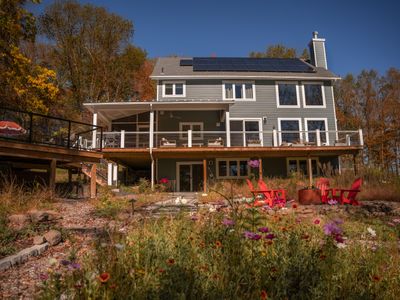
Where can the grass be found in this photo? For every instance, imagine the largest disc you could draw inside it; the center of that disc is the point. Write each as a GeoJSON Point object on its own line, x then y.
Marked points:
{"type": "Point", "coordinates": [204, 257]}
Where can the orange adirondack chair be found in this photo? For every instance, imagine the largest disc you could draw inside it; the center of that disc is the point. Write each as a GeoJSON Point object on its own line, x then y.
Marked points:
{"type": "Point", "coordinates": [348, 196]}
{"type": "Point", "coordinates": [266, 193]}
{"type": "Point", "coordinates": [323, 185]}
{"type": "Point", "coordinates": [277, 196]}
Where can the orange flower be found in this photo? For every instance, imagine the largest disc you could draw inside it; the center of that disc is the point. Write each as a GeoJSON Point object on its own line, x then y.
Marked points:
{"type": "Point", "coordinates": [269, 242]}
{"type": "Point", "coordinates": [264, 295]}
{"type": "Point", "coordinates": [376, 278]}
{"type": "Point", "coordinates": [104, 277]}
{"type": "Point", "coordinates": [283, 228]}
{"type": "Point", "coordinates": [218, 244]}
{"type": "Point", "coordinates": [305, 237]}
{"type": "Point", "coordinates": [170, 261]}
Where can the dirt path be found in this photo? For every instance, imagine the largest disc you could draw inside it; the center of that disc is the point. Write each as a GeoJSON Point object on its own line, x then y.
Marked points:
{"type": "Point", "coordinates": [22, 282]}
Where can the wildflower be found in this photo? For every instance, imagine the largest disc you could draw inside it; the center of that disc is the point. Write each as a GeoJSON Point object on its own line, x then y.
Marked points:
{"type": "Point", "coordinates": [170, 261]}
{"type": "Point", "coordinates": [317, 221]}
{"type": "Point", "coordinates": [397, 221]}
{"type": "Point", "coordinates": [270, 236]}
{"type": "Point", "coordinates": [269, 242]}
{"type": "Point", "coordinates": [332, 228]}
{"type": "Point", "coordinates": [263, 253]}
{"type": "Point", "coordinates": [264, 295]}
{"type": "Point", "coordinates": [283, 228]}
{"type": "Point", "coordinates": [212, 209]}
{"type": "Point", "coordinates": [65, 262]}
{"type": "Point", "coordinates": [339, 238]}
{"type": "Point", "coordinates": [161, 270]}
{"type": "Point", "coordinates": [371, 232]}
{"type": "Point", "coordinates": [294, 205]}
{"type": "Point", "coordinates": [341, 245]}
{"type": "Point", "coordinates": [164, 180]}
{"type": "Point", "coordinates": [376, 278]}
{"type": "Point", "coordinates": [263, 229]}
{"type": "Point", "coordinates": [104, 277]}
{"type": "Point", "coordinates": [305, 237]}
{"type": "Point", "coordinates": [74, 266]}
{"type": "Point", "coordinates": [43, 277]}
{"type": "Point", "coordinates": [228, 222]}
{"type": "Point", "coordinates": [332, 202]}
{"type": "Point", "coordinates": [252, 236]}
{"type": "Point", "coordinates": [119, 246]}
{"type": "Point", "coordinates": [52, 261]}
{"type": "Point", "coordinates": [253, 163]}
{"type": "Point", "coordinates": [218, 244]}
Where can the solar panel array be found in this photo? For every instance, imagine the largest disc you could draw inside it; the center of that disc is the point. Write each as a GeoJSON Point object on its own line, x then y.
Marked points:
{"type": "Point", "coordinates": [248, 64]}
{"type": "Point", "coordinates": [186, 62]}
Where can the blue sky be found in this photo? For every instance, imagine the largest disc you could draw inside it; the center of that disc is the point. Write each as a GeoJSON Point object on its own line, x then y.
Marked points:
{"type": "Point", "coordinates": [359, 34]}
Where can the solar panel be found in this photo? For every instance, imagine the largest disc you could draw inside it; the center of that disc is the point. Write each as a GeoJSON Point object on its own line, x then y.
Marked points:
{"type": "Point", "coordinates": [186, 62]}
{"type": "Point", "coordinates": [249, 64]}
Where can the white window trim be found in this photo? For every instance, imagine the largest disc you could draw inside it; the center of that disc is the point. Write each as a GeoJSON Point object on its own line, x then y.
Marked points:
{"type": "Point", "coordinates": [181, 133]}
{"type": "Point", "coordinates": [277, 94]}
{"type": "Point", "coordinates": [260, 128]}
{"type": "Point", "coordinates": [317, 119]}
{"type": "Point", "coordinates": [289, 119]}
{"type": "Point", "coordinates": [243, 90]}
{"type": "Point", "coordinates": [173, 89]}
{"type": "Point", "coordinates": [227, 160]}
{"type": "Point", "coordinates": [298, 164]}
{"type": "Point", "coordinates": [304, 94]}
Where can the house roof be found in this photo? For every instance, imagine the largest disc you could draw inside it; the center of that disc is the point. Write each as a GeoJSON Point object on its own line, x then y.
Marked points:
{"type": "Point", "coordinates": [171, 68]}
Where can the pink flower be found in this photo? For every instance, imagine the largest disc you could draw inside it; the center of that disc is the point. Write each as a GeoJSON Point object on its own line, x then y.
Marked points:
{"type": "Point", "coordinates": [317, 221]}
{"type": "Point", "coordinates": [164, 180]}
{"type": "Point", "coordinates": [263, 229]}
{"type": "Point", "coordinates": [228, 222]}
{"type": "Point", "coordinates": [270, 236]}
{"type": "Point", "coordinates": [254, 163]}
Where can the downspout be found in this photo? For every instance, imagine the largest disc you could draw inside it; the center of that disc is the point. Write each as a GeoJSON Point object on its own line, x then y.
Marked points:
{"type": "Point", "coordinates": [151, 141]}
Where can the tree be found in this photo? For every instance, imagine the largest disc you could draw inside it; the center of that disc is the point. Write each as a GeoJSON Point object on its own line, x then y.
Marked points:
{"type": "Point", "coordinates": [23, 84]}
{"type": "Point", "coordinates": [145, 87]}
{"type": "Point", "coordinates": [91, 51]}
{"type": "Point", "coordinates": [279, 51]}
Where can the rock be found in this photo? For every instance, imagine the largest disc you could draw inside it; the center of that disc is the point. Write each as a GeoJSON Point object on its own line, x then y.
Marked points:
{"type": "Point", "coordinates": [19, 221]}
{"type": "Point", "coordinates": [53, 237]}
{"type": "Point", "coordinates": [38, 216]}
{"type": "Point", "coordinates": [53, 215]}
{"type": "Point", "coordinates": [22, 256]}
{"type": "Point", "coordinates": [123, 216]}
{"type": "Point", "coordinates": [38, 240]}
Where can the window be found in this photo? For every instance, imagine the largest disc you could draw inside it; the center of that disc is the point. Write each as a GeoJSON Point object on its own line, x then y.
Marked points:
{"type": "Point", "coordinates": [313, 94]}
{"type": "Point", "coordinates": [245, 131]}
{"type": "Point", "coordinates": [238, 91]}
{"type": "Point", "coordinates": [196, 127]}
{"type": "Point", "coordinates": [299, 164]}
{"type": "Point", "coordinates": [287, 125]}
{"type": "Point", "coordinates": [313, 125]}
{"type": "Point", "coordinates": [287, 95]}
{"type": "Point", "coordinates": [174, 89]}
{"type": "Point", "coordinates": [232, 168]}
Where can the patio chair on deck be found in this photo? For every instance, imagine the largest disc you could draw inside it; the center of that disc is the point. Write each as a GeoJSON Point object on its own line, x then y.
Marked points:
{"type": "Point", "coordinates": [253, 143]}
{"type": "Point", "coordinates": [219, 142]}
{"type": "Point", "coordinates": [164, 143]}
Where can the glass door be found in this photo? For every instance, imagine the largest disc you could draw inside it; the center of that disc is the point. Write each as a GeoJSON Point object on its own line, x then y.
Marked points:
{"type": "Point", "coordinates": [190, 176]}
{"type": "Point", "coordinates": [185, 178]}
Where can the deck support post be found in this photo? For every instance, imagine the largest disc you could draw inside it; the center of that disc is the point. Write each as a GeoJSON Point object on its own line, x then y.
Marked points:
{"type": "Point", "coordinates": [361, 137]}
{"type": "Point", "coordinates": [152, 174]}
{"type": "Point", "coordinates": [228, 129]}
{"type": "Point", "coordinates": [190, 138]}
{"type": "Point", "coordinates": [122, 138]}
{"type": "Point", "coordinates": [309, 169]}
{"type": "Point", "coordinates": [94, 133]}
{"type": "Point", "coordinates": [115, 174]}
{"type": "Point", "coordinates": [317, 137]}
{"type": "Point", "coordinates": [52, 175]}
{"type": "Point", "coordinates": [109, 174]}
{"type": "Point", "coordinates": [260, 169]}
{"type": "Point", "coordinates": [204, 176]}
{"type": "Point", "coordinates": [275, 137]}
{"type": "Point", "coordinates": [93, 181]}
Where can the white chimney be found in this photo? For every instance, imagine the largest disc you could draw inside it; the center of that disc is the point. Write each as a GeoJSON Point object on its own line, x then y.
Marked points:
{"type": "Point", "coordinates": [317, 51]}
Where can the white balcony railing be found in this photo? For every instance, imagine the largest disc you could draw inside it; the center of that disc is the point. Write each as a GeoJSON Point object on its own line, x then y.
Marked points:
{"type": "Point", "coordinates": [274, 138]}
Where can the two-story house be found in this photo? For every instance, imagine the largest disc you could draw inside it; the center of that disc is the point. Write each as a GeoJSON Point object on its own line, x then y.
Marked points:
{"type": "Point", "coordinates": [212, 114]}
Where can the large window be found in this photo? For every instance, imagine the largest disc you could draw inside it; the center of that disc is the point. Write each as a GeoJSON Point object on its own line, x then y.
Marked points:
{"type": "Point", "coordinates": [287, 95]}
{"type": "Point", "coordinates": [285, 128]}
{"type": "Point", "coordinates": [245, 132]}
{"type": "Point", "coordinates": [313, 94]}
{"type": "Point", "coordinates": [238, 91]}
{"type": "Point", "coordinates": [299, 165]}
{"type": "Point", "coordinates": [312, 125]}
{"type": "Point", "coordinates": [174, 89]}
{"type": "Point", "coordinates": [196, 127]}
{"type": "Point", "coordinates": [232, 168]}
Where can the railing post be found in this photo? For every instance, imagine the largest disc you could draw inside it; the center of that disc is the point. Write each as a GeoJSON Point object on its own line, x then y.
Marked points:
{"type": "Point", "coordinates": [318, 137]}
{"type": "Point", "coordinates": [360, 133]}
{"type": "Point", "coordinates": [228, 129]}
{"type": "Point", "coordinates": [115, 174]}
{"type": "Point", "coordinates": [151, 131]}
{"type": "Point", "coordinates": [189, 138]}
{"type": "Point", "coordinates": [69, 135]}
{"type": "Point", "coordinates": [122, 138]}
{"type": "Point", "coordinates": [348, 141]}
{"type": "Point", "coordinates": [94, 134]}
{"type": "Point", "coordinates": [109, 174]}
{"type": "Point", "coordinates": [275, 137]}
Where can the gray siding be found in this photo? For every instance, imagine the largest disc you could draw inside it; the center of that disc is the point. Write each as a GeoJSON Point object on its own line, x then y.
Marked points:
{"type": "Point", "coordinates": [317, 53]}
{"type": "Point", "coordinates": [197, 90]}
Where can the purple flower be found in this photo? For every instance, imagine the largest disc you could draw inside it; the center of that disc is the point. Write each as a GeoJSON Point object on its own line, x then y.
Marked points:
{"type": "Point", "coordinates": [65, 262]}
{"type": "Point", "coordinates": [228, 222]}
{"type": "Point", "coordinates": [263, 229]}
{"type": "Point", "coordinates": [332, 229]}
{"type": "Point", "coordinates": [339, 238]}
{"type": "Point", "coordinates": [332, 202]}
{"type": "Point", "coordinates": [270, 236]}
{"type": "Point", "coordinates": [74, 266]}
{"type": "Point", "coordinates": [253, 163]}
{"type": "Point", "coordinates": [252, 236]}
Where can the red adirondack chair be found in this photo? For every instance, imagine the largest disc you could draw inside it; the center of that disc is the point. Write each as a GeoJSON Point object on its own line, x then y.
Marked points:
{"type": "Point", "coordinates": [348, 196]}
{"type": "Point", "coordinates": [266, 194]}
{"type": "Point", "coordinates": [323, 185]}
{"type": "Point", "coordinates": [277, 196]}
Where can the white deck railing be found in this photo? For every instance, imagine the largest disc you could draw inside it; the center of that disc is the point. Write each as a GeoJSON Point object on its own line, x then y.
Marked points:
{"type": "Point", "coordinates": [274, 138]}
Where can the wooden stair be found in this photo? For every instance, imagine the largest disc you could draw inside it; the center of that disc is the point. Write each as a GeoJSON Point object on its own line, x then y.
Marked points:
{"type": "Point", "coordinates": [101, 179]}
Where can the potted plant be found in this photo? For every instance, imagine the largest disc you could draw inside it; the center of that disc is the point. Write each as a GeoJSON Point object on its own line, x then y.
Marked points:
{"type": "Point", "coordinates": [309, 195]}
